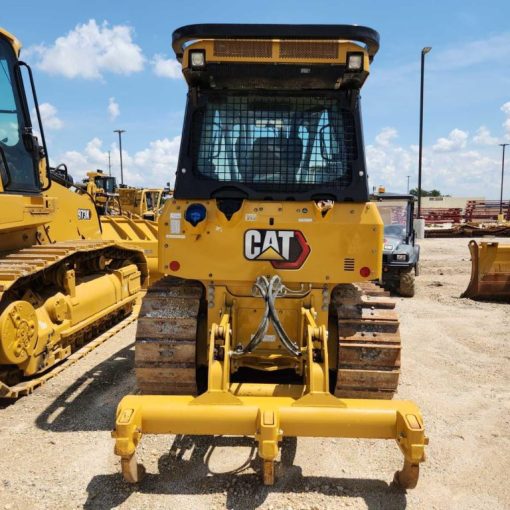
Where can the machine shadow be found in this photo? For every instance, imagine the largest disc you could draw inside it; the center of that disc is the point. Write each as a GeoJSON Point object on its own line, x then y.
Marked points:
{"type": "Point", "coordinates": [185, 470]}
{"type": "Point", "coordinates": [90, 402]}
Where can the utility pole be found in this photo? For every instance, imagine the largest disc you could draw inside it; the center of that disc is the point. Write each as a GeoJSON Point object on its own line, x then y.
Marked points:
{"type": "Point", "coordinates": [109, 163]}
{"type": "Point", "coordinates": [408, 177]}
{"type": "Point", "coordinates": [502, 177]}
{"type": "Point", "coordinates": [120, 131]}
{"type": "Point", "coordinates": [424, 51]}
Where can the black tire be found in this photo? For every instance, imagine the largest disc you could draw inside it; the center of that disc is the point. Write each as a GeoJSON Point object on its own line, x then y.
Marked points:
{"type": "Point", "coordinates": [406, 286]}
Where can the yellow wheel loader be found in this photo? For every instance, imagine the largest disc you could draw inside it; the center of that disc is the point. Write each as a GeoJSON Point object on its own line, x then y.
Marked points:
{"type": "Point", "coordinates": [268, 324]}
{"type": "Point", "coordinates": [61, 283]}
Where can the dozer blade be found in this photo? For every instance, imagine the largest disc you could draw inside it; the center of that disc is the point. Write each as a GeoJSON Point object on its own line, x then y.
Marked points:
{"type": "Point", "coordinates": [490, 271]}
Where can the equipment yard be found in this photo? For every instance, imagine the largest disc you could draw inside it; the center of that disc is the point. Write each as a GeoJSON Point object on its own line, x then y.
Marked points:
{"type": "Point", "coordinates": [57, 451]}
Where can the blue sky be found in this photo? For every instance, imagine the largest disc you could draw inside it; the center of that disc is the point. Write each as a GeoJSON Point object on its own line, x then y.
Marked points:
{"type": "Point", "coordinates": [112, 52]}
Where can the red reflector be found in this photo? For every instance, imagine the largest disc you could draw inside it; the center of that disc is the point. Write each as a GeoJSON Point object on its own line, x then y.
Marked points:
{"type": "Point", "coordinates": [365, 272]}
{"type": "Point", "coordinates": [174, 265]}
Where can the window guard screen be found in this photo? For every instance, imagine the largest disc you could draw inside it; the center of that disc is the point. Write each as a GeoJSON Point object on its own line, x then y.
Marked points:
{"type": "Point", "coordinates": [274, 142]}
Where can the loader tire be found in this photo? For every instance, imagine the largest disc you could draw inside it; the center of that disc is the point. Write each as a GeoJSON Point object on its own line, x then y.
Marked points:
{"type": "Point", "coordinates": [368, 354]}
{"type": "Point", "coordinates": [165, 347]}
{"type": "Point", "coordinates": [406, 287]}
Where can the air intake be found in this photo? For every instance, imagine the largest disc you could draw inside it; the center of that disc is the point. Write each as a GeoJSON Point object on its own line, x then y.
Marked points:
{"type": "Point", "coordinates": [309, 50]}
{"type": "Point", "coordinates": [249, 49]}
{"type": "Point", "coordinates": [348, 264]}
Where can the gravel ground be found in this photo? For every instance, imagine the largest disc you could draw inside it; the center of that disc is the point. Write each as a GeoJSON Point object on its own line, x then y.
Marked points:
{"type": "Point", "coordinates": [56, 450]}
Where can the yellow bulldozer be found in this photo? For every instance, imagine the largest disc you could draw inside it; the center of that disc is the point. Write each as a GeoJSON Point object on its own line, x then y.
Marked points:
{"type": "Point", "coordinates": [141, 202]}
{"type": "Point", "coordinates": [103, 190]}
{"type": "Point", "coordinates": [62, 283]}
{"type": "Point", "coordinates": [112, 200]}
{"type": "Point", "coordinates": [269, 323]}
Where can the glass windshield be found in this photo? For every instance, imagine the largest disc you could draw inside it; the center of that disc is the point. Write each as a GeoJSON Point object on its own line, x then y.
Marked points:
{"type": "Point", "coordinates": [106, 183]}
{"type": "Point", "coordinates": [395, 216]}
{"type": "Point", "coordinates": [19, 174]}
{"type": "Point", "coordinates": [273, 142]}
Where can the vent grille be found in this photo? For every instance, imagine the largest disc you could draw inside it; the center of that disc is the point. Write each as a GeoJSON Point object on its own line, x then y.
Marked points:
{"type": "Point", "coordinates": [309, 50]}
{"type": "Point", "coordinates": [348, 264]}
{"type": "Point", "coordinates": [254, 49]}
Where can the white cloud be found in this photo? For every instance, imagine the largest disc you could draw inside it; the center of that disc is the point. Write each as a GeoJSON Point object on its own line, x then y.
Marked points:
{"type": "Point", "coordinates": [483, 137]}
{"type": "Point", "coordinates": [493, 49]}
{"type": "Point", "coordinates": [459, 170]}
{"type": "Point", "coordinates": [506, 125]}
{"type": "Point", "coordinates": [456, 140]}
{"type": "Point", "coordinates": [89, 50]}
{"type": "Point", "coordinates": [166, 68]}
{"type": "Point", "coordinates": [386, 135]}
{"type": "Point", "coordinates": [153, 166]}
{"type": "Point", "coordinates": [49, 117]}
{"type": "Point", "coordinates": [113, 108]}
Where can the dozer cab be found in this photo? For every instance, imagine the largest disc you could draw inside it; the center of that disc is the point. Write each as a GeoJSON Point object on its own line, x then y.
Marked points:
{"type": "Point", "coordinates": [141, 202]}
{"type": "Point", "coordinates": [269, 324]}
{"type": "Point", "coordinates": [61, 283]}
{"type": "Point", "coordinates": [103, 190]}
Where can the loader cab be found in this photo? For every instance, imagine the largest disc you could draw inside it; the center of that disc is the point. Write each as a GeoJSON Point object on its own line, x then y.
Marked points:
{"type": "Point", "coordinates": [19, 149]}
{"type": "Point", "coordinates": [273, 119]}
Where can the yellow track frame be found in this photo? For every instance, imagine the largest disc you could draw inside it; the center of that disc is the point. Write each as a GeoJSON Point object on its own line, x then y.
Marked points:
{"type": "Point", "coordinates": [269, 411]}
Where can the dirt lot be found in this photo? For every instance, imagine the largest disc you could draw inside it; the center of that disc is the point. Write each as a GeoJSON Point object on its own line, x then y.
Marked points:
{"type": "Point", "coordinates": [56, 450]}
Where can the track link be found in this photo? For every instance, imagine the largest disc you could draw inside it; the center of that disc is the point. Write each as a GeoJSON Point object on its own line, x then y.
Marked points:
{"type": "Point", "coordinates": [165, 348]}
{"type": "Point", "coordinates": [369, 343]}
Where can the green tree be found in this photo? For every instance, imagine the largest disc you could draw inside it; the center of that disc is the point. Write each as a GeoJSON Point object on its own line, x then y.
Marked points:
{"type": "Point", "coordinates": [425, 193]}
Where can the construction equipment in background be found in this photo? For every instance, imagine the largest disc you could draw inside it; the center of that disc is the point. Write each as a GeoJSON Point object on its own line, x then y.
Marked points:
{"type": "Point", "coordinates": [61, 283]}
{"type": "Point", "coordinates": [269, 324]}
{"type": "Point", "coordinates": [103, 190]}
{"type": "Point", "coordinates": [401, 254]}
{"type": "Point", "coordinates": [110, 200]}
{"type": "Point", "coordinates": [127, 215]}
{"type": "Point", "coordinates": [490, 271]}
{"type": "Point", "coordinates": [141, 202]}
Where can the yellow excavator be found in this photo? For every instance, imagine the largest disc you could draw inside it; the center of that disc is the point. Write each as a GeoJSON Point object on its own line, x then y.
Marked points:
{"type": "Point", "coordinates": [61, 283]}
{"type": "Point", "coordinates": [269, 324]}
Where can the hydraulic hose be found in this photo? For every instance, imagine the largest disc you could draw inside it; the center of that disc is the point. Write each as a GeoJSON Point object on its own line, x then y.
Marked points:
{"type": "Point", "coordinates": [269, 290]}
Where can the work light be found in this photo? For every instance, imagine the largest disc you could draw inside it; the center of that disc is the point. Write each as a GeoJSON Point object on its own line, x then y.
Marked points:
{"type": "Point", "coordinates": [355, 61]}
{"type": "Point", "coordinates": [197, 59]}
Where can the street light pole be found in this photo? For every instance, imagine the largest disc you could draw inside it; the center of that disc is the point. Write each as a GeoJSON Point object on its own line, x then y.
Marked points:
{"type": "Point", "coordinates": [424, 51]}
{"type": "Point", "coordinates": [408, 183]}
{"type": "Point", "coordinates": [120, 131]}
{"type": "Point", "coordinates": [502, 177]}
